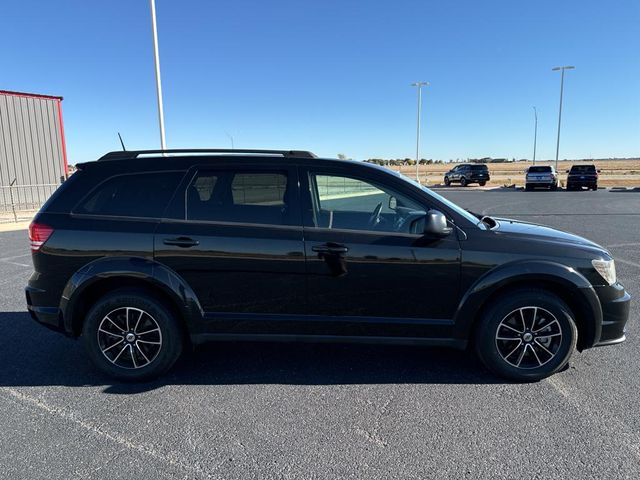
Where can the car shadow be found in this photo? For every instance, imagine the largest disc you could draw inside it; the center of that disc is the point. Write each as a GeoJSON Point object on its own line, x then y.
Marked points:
{"type": "Point", "coordinates": [35, 356]}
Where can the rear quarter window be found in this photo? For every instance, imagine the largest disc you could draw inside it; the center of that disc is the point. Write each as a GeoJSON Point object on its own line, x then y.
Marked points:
{"type": "Point", "coordinates": [143, 195]}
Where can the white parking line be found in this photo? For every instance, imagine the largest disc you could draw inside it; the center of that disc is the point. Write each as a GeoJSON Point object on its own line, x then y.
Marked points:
{"type": "Point", "coordinates": [627, 262]}
{"type": "Point", "coordinates": [10, 261]}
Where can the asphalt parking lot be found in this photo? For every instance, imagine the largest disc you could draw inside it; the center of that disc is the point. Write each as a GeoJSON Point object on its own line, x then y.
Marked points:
{"type": "Point", "coordinates": [329, 411]}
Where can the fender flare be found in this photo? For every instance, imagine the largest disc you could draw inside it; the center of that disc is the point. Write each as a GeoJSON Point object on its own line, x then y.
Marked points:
{"type": "Point", "coordinates": [141, 269]}
{"type": "Point", "coordinates": [520, 272]}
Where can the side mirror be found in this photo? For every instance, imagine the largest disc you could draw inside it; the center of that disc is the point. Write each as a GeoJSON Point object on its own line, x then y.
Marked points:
{"type": "Point", "coordinates": [598, 171]}
{"type": "Point", "coordinates": [436, 224]}
{"type": "Point", "coordinates": [393, 203]}
{"type": "Point", "coordinates": [566, 171]}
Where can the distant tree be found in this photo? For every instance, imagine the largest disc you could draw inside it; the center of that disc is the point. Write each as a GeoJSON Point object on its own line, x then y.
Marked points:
{"type": "Point", "coordinates": [342, 156]}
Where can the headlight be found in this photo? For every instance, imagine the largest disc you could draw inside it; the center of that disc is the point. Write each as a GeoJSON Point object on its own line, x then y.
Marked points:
{"type": "Point", "coordinates": [607, 269]}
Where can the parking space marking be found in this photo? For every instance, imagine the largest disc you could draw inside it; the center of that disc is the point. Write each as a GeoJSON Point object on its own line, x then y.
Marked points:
{"type": "Point", "coordinates": [10, 260]}
{"type": "Point", "coordinates": [68, 416]}
{"type": "Point", "coordinates": [627, 262]}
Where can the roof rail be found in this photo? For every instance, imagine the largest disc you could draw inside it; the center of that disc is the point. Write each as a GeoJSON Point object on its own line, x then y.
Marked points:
{"type": "Point", "coordinates": [131, 154]}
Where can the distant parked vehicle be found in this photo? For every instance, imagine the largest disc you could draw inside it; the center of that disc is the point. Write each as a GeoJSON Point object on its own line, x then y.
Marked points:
{"type": "Point", "coordinates": [466, 174]}
{"type": "Point", "coordinates": [582, 176]}
{"type": "Point", "coordinates": [541, 176]}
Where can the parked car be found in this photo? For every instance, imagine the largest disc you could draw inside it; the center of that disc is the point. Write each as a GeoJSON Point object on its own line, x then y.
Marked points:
{"type": "Point", "coordinates": [466, 174]}
{"type": "Point", "coordinates": [143, 253]}
{"type": "Point", "coordinates": [541, 176]}
{"type": "Point", "coordinates": [582, 176]}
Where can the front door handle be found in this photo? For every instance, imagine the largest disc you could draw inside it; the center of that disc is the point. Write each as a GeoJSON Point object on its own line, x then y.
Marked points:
{"type": "Point", "coordinates": [183, 242]}
{"type": "Point", "coordinates": [330, 247]}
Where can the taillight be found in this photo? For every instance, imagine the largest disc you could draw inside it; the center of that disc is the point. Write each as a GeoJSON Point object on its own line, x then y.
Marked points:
{"type": "Point", "coordinates": [38, 234]}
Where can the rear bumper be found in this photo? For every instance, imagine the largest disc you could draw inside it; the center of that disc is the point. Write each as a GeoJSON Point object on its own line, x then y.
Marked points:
{"type": "Point", "coordinates": [615, 302]}
{"type": "Point", "coordinates": [49, 317]}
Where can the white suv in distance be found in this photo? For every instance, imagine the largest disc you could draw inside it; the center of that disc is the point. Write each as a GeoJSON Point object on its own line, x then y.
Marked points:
{"type": "Point", "coordinates": [541, 176]}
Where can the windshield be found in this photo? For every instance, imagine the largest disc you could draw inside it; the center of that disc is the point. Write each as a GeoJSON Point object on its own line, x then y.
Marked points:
{"type": "Point", "coordinates": [448, 203]}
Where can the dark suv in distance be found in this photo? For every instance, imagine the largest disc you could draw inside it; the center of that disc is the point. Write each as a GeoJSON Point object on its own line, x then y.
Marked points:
{"type": "Point", "coordinates": [466, 174]}
{"type": "Point", "coordinates": [143, 253]}
{"type": "Point", "coordinates": [582, 176]}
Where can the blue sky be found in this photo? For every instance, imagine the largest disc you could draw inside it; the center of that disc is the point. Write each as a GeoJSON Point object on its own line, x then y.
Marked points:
{"type": "Point", "coordinates": [333, 76]}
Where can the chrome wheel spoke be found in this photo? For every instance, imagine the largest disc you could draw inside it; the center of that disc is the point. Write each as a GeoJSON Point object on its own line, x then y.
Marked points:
{"type": "Point", "coordinates": [511, 328]}
{"type": "Point", "coordinates": [119, 353]}
{"type": "Point", "coordinates": [114, 324]}
{"type": "Point", "coordinates": [142, 353]}
{"type": "Point", "coordinates": [114, 345]}
{"type": "Point", "coordinates": [110, 333]}
{"type": "Point", "coordinates": [148, 331]}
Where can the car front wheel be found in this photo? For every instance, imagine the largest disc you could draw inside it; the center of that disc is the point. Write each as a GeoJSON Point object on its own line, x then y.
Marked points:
{"type": "Point", "coordinates": [447, 182]}
{"type": "Point", "coordinates": [526, 336]}
{"type": "Point", "coordinates": [131, 335]}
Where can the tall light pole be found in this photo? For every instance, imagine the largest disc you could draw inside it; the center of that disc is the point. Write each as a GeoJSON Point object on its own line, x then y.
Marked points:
{"type": "Point", "coordinates": [419, 85]}
{"type": "Point", "coordinates": [562, 69]}
{"type": "Point", "coordinates": [535, 134]}
{"type": "Point", "coordinates": [156, 56]}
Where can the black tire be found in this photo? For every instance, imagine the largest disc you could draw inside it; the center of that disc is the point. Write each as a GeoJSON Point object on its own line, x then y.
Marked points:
{"type": "Point", "coordinates": [553, 187]}
{"type": "Point", "coordinates": [482, 184]}
{"type": "Point", "coordinates": [535, 363]}
{"type": "Point", "coordinates": [447, 182]}
{"type": "Point", "coordinates": [463, 182]}
{"type": "Point", "coordinates": [594, 188]}
{"type": "Point", "coordinates": [153, 359]}
{"type": "Point", "coordinates": [528, 188]}
{"type": "Point", "coordinates": [570, 187]}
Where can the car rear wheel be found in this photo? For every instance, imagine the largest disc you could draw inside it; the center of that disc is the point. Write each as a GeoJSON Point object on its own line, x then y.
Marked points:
{"type": "Point", "coordinates": [528, 188]}
{"type": "Point", "coordinates": [482, 184]}
{"type": "Point", "coordinates": [130, 335]}
{"type": "Point", "coordinates": [526, 336]}
{"type": "Point", "coordinates": [463, 182]}
{"type": "Point", "coordinates": [447, 182]}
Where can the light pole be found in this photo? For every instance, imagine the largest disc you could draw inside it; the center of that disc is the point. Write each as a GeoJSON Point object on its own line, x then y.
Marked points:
{"type": "Point", "coordinates": [535, 134]}
{"type": "Point", "coordinates": [562, 69]}
{"type": "Point", "coordinates": [419, 85]}
{"type": "Point", "coordinates": [230, 138]}
{"type": "Point", "coordinates": [156, 57]}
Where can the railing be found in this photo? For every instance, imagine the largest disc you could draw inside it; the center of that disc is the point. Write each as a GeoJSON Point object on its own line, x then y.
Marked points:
{"type": "Point", "coordinates": [20, 202]}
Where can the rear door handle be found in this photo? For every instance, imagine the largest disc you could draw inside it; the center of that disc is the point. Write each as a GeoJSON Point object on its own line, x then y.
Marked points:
{"type": "Point", "coordinates": [330, 248]}
{"type": "Point", "coordinates": [183, 242]}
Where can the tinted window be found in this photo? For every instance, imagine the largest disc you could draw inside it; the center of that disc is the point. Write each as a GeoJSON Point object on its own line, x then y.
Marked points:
{"type": "Point", "coordinates": [539, 169]}
{"type": "Point", "coordinates": [350, 203]}
{"type": "Point", "coordinates": [243, 197]}
{"type": "Point", "coordinates": [583, 169]}
{"type": "Point", "coordinates": [478, 168]}
{"type": "Point", "coordinates": [135, 195]}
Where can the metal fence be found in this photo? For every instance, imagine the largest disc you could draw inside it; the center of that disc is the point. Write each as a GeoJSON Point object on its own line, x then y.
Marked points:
{"type": "Point", "coordinates": [20, 202]}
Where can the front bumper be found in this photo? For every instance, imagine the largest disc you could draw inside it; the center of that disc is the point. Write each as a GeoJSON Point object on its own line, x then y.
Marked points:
{"type": "Point", "coordinates": [615, 302]}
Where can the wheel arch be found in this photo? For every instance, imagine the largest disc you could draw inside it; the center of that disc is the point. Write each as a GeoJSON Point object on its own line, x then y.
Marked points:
{"type": "Point", "coordinates": [569, 285]}
{"type": "Point", "coordinates": [105, 275]}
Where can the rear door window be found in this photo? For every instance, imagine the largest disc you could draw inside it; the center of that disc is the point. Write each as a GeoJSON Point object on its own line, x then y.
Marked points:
{"type": "Point", "coordinates": [143, 195]}
{"type": "Point", "coordinates": [255, 197]}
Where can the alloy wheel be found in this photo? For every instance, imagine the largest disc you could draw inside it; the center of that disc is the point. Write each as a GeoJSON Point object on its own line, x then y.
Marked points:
{"type": "Point", "coordinates": [528, 337]}
{"type": "Point", "coordinates": [129, 337]}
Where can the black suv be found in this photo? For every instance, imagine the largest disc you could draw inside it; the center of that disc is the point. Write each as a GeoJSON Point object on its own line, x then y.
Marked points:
{"type": "Point", "coordinates": [582, 176]}
{"type": "Point", "coordinates": [143, 253]}
{"type": "Point", "coordinates": [466, 174]}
